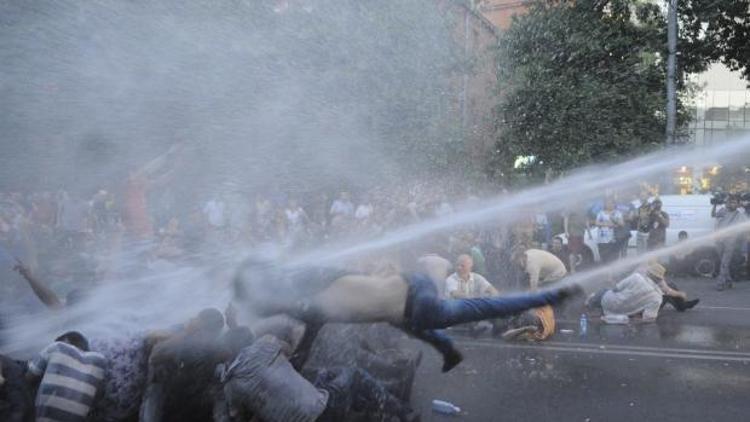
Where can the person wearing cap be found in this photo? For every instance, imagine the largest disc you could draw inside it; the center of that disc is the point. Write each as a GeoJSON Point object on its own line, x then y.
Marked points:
{"type": "Point", "coordinates": [671, 294]}
{"type": "Point", "coordinates": [641, 293]}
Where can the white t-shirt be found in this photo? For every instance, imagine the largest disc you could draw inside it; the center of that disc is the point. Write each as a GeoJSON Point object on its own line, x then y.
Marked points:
{"type": "Point", "coordinates": [475, 286]}
{"type": "Point", "coordinates": [633, 295]}
{"type": "Point", "coordinates": [607, 234]}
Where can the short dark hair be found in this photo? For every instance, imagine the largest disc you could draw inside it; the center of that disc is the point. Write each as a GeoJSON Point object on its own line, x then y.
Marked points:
{"type": "Point", "coordinates": [682, 233]}
{"type": "Point", "coordinates": [76, 339]}
{"type": "Point", "coordinates": [210, 319]}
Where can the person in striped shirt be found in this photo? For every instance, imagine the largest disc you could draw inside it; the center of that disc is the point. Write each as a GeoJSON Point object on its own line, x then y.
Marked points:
{"type": "Point", "coordinates": [70, 379]}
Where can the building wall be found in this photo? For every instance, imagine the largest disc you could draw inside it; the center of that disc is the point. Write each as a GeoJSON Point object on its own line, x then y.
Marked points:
{"type": "Point", "coordinates": [475, 86]}
{"type": "Point", "coordinates": [500, 12]}
{"type": "Point", "coordinates": [721, 108]}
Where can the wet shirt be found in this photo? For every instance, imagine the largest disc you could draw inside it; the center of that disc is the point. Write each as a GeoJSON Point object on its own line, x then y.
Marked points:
{"type": "Point", "coordinates": [543, 267]}
{"type": "Point", "coordinates": [70, 382]}
{"type": "Point", "coordinates": [262, 380]}
{"type": "Point", "coordinates": [633, 295]}
{"type": "Point", "coordinates": [125, 381]}
{"type": "Point", "coordinates": [475, 286]}
{"type": "Point", "coordinates": [607, 234]}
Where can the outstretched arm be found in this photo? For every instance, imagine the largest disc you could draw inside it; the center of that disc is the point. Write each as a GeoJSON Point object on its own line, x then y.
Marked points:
{"type": "Point", "coordinates": [44, 293]}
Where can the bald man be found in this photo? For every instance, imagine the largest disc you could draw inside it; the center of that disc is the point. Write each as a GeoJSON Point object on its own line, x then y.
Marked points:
{"type": "Point", "coordinates": [408, 301]}
{"type": "Point", "coordinates": [464, 283]}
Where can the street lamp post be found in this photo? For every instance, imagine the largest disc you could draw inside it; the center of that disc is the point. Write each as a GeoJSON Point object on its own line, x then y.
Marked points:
{"type": "Point", "coordinates": [671, 70]}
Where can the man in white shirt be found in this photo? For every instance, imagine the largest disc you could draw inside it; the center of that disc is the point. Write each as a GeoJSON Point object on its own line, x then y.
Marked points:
{"type": "Point", "coordinates": [464, 283]}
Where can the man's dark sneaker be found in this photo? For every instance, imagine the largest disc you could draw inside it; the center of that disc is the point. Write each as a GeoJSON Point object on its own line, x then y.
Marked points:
{"type": "Point", "coordinates": [451, 359]}
{"type": "Point", "coordinates": [690, 304]}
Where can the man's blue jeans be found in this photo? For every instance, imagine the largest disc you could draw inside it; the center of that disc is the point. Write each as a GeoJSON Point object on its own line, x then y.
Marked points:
{"type": "Point", "coordinates": [426, 313]}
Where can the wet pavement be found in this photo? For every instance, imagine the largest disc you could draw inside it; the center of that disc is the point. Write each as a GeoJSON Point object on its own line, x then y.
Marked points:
{"type": "Point", "coordinates": [692, 366]}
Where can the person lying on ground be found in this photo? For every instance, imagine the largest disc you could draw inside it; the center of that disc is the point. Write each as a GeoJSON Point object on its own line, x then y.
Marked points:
{"type": "Point", "coordinates": [533, 325]}
{"type": "Point", "coordinates": [318, 295]}
{"type": "Point", "coordinates": [16, 402]}
{"type": "Point", "coordinates": [262, 383]}
{"type": "Point", "coordinates": [70, 379]}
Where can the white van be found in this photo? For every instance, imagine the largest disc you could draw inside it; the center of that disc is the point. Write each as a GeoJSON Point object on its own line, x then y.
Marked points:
{"type": "Point", "coordinates": [689, 213]}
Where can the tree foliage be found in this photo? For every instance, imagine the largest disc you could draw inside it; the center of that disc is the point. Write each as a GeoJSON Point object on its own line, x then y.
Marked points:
{"type": "Point", "coordinates": [715, 31]}
{"type": "Point", "coordinates": [580, 82]}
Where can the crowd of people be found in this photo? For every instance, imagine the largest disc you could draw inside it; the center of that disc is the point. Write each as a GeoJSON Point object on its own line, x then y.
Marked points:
{"type": "Point", "coordinates": [213, 367]}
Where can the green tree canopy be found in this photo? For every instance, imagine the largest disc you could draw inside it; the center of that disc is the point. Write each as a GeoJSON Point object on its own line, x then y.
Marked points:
{"type": "Point", "coordinates": [580, 82]}
{"type": "Point", "coordinates": [715, 31]}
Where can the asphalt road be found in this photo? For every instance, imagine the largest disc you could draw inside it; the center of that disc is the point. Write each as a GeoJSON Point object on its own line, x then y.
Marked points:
{"type": "Point", "coordinates": [692, 366]}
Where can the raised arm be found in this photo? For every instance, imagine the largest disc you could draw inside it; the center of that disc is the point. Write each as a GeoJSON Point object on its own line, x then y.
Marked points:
{"type": "Point", "coordinates": [44, 293]}
{"type": "Point", "coordinates": [158, 164]}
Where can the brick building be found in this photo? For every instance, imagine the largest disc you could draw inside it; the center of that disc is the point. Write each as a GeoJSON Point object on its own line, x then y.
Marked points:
{"type": "Point", "coordinates": [500, 12]}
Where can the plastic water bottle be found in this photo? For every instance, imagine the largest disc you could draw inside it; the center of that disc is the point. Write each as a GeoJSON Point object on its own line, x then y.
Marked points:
{"type": "Point", "coordinates": [584, 325]}
{"type": "Point", "coordinates": [445, 407]}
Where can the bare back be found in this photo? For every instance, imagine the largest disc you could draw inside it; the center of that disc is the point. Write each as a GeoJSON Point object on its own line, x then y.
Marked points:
{"type": "Point", "coordinates": [362, 298]}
